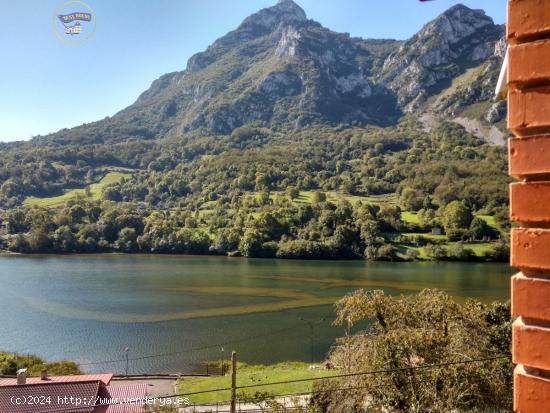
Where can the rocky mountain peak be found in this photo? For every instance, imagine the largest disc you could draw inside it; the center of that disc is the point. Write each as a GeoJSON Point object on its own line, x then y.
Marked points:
{"type": "Point", "coordinates": [289, 5]}
{"type": "Point", "coordinates": [457, 23]}
{"type": "Point", "coordinates": [457, 39]}
{"type": "Point", "coordinates": [284, 12]}
{"type": "Point", "coordinates": [278, 67]}
{"type": "Point", "coordinates": [290, 8]}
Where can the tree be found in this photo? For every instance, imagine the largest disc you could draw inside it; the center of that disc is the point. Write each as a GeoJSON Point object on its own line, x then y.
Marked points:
{"type": "Point", "coordinates": [435, 251]}
{"type": "Point", "coordinates": [64, 240]}
{"type": "Point", "coordinates": [389, 217]}
{"type": "Point", "coordinates": [77, 213]}
{"type": "Point", "coordinates": [112, 193]}
{"type": "Point", "coordinates": [18, 243]}
{"type": "Point", "coordinates": [479, 229]}
{"type": "Point", "coordinates": [264, 198]}
{"type": "Point", "coordinates": [456, 215]}
{"type": "Point", "coordinates": [427, 219]}
{"type": "Point", "coordinates": [319, 197]}
{"type": "Point", "coordinates": [500, 251]}
{"type": "Point", "coordinates": [411, 200]}
{"type": "Point", "coordinates": [16, 221]}
{"type": "Point", "coordinates": [39, 240]}
{"type": "Point", "coordinates": [458, 252]}
{"type": "Point", "coordinates": [385, 252]}
{"type": "Point", "coordinates": [369, 235]}
{"type": "Point", "coordinates": [502, 217]}
{"type": "Point", "coordinates": [293, 192]}
{"type": "Point", "coordinates": [410, 331]}
{"type": "Point", "coordinates": [268, 224]}
{"type": "Point", "coordinates": [126, 241]}
{"type": "Point", "coordinates": [251, 243]}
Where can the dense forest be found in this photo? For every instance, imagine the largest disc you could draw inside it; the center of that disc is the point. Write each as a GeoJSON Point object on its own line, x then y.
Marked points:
{"type": "Point", "coordinates": [318, 192]}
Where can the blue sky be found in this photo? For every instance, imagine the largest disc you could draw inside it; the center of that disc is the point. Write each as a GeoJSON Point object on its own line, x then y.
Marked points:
{"type": "Point", "coordinates": [47, 85]}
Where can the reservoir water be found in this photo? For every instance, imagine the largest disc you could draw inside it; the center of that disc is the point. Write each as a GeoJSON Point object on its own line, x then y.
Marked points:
{"type": "Point", "coordinates": [176, 312]}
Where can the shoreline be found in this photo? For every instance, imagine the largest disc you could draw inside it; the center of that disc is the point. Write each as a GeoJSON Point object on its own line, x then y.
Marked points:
{"type": "Point", "coordinates": [7, 253]}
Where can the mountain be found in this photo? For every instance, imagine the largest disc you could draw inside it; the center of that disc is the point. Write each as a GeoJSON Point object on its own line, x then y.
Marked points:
{"type": "Point", "coordinates": [279, 68]}
{"type": "Point", "coordinates": [284, 138]}
{"type": "Point", "coordinates": [459, 39]}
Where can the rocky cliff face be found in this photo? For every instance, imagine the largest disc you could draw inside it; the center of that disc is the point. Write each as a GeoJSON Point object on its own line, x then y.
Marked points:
{"type": "Point", "coordinates": [278, 67]}
{"type": "Point", "coordinates": [458, 39]}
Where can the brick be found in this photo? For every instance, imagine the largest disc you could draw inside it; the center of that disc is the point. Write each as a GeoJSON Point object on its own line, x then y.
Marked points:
{"type": "Point", "coordinates": [531, 297]}
{"type": "Point", "coordinates": [527, 20]}
{"type": "Point", "coordinates": [530, 345]}
{"type": "Point", "coordinates": [529, 156]}
{"type": "Point", "coordinates": [529, 111]}
{"type": "Point", "coordinates": [531, 393]}
{"type": "Point", "coordinates": [529, 64]}
{"type": "Point", "coordinates": [529, 202]}
{"type": "Point", "coordinates": [530, 248]}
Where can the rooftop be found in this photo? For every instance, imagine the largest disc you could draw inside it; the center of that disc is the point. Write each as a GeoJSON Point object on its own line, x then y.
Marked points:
{"type": "Point", "coordinates": [54, 393]}
{"type": "Point", "coordinates": [104, 378]}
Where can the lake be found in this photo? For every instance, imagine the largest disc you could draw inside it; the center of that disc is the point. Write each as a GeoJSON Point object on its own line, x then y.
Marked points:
{"type": "Point", "coordinates": [175, 312]}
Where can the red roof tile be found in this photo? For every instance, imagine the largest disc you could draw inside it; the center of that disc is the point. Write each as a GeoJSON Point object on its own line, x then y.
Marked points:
{"type": "Point", "coordinates": [127, 395]}
{"type": "Point", "coordinates": [34, 398]}
{"type": "Point", "coordinates": [104, 378]}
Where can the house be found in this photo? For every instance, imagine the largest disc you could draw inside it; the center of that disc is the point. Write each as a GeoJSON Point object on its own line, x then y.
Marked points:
{"type": "Point", "coordinates": [86, 393]}
{"type": "Point", "coordinates": [437, 231]}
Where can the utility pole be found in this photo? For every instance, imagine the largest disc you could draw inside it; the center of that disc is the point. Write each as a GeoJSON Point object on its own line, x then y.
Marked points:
{"type": "Point", "coordinates": [312, 335]}
{"type": "Point", "coordinates": [126, 350]}
{"type": "Point", "coordinates": [233, 382]}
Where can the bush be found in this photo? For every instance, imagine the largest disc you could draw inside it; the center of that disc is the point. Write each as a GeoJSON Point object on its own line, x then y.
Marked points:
{"type": "Point", "coordinates": [302, 249]}
{"type": "Point", "coordinates": [500, 251]}
{"type": "Point", "coordinates": [269, 249]}
{"type": "Point", "coordinates": [436, 251]}
{"type": "Point", "coordinates": [412, 255]}
{"type": "Point", "coordinates": [11, 362]}
{"type": "Point", "coordinates": [293, 192]}
{"type": "Point", "coordinates": [386, 252]}
{"type": "Point", "coordinates": [479, 230]}
{"type": "Point", "coordinates": [458, 235]}
{"type": "Point", "coordinates": [319, 197]}
{"type": "Point", "coordinates": [459, 253]}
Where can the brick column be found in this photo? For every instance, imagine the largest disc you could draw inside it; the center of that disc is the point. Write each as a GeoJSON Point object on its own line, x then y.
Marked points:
{"type": "Point", "coordinates": [528, 33]}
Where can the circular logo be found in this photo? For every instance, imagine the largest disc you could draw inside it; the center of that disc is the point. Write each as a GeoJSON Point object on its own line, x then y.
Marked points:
{"type": "Point", "coordinates": [74, 22]}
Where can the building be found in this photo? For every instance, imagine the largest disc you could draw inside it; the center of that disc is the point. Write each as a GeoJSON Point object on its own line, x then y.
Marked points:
{"type": "Point", "coordinates": [526, 82]}
{"type": "Point", "coordinates": [437, 231]}
{"type": "Point", "coordinates": [87, 393]}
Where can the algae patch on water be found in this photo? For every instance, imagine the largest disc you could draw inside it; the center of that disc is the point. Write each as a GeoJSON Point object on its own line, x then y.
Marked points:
{"type": "Point", "coordinates": [63, 310]}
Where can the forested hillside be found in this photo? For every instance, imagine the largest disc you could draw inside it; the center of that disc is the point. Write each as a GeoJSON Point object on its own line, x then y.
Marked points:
{"type": "Point", "coordinates": [284, 139]}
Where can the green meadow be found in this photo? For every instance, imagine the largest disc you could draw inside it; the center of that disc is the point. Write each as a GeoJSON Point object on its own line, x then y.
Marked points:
{"type": "Point", "coordinates": [253, 375]}
{"type": "Point", "coordinates": [92, 191]}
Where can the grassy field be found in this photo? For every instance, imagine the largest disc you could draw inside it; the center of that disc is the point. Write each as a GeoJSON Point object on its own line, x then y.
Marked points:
{"type": "Point", "coordinates": [490, 220]}
{"type": "Point", "coordinates": [95, 191]}
{"type": "Point", "coordinates": [424, 235]}
{"type": "Point", "coordinates": [306, 197]}
{"type": "Point", "coordinates": [410, 217]}
{"type": "Point", "coordinates": [249, 375]}
{"type": "Point", "coordinates": [479, 248]}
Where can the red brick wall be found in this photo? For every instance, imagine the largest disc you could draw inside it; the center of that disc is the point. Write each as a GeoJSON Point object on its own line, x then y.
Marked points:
{"type": "Point", "coordinates": [528, 33]}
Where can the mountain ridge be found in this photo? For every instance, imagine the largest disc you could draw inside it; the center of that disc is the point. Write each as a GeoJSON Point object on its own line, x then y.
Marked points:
{"type": "Point", "coordinates": [279, 67]}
